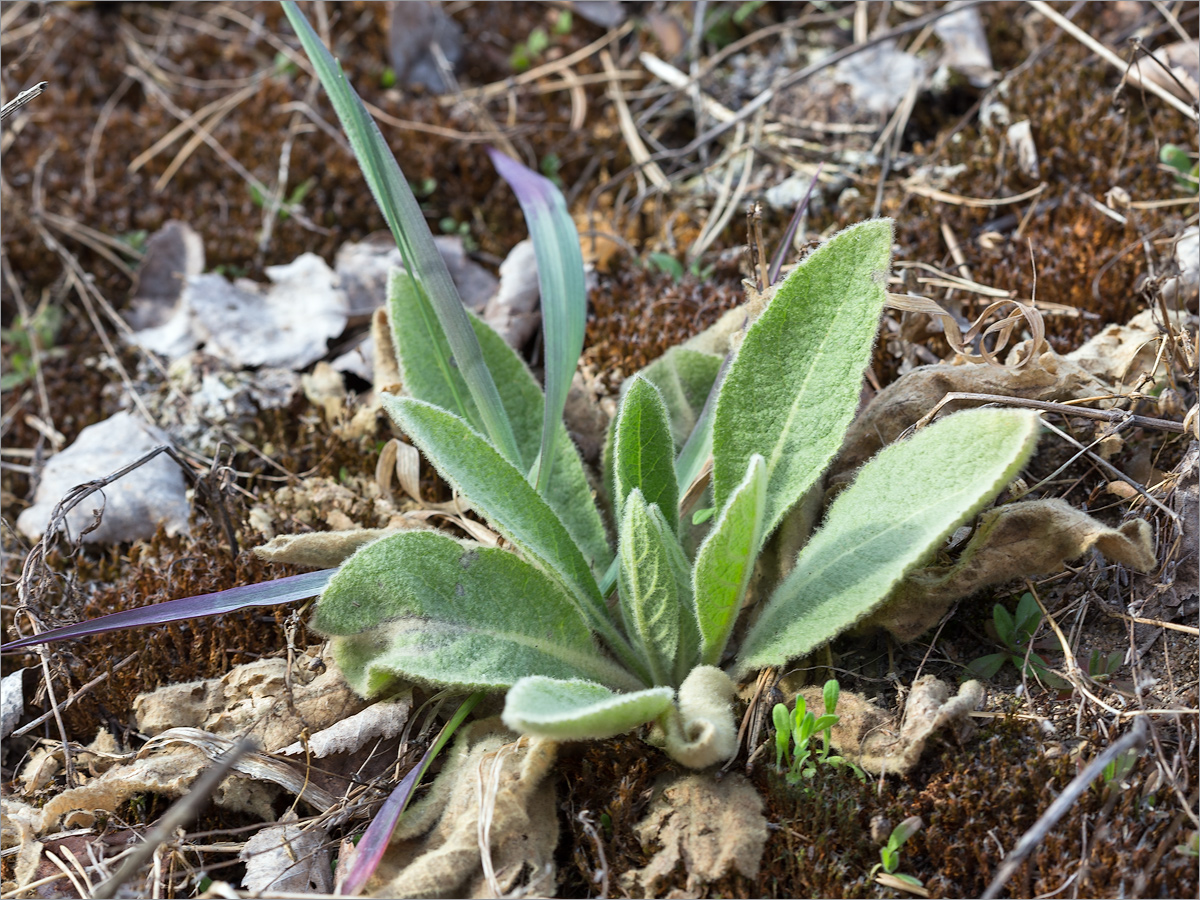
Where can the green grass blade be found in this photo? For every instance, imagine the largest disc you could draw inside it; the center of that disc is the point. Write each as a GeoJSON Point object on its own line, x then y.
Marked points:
{"type": "Point", "coordinates": [564, 294]}
{"type": "Point", "coordinates": [407, 223]}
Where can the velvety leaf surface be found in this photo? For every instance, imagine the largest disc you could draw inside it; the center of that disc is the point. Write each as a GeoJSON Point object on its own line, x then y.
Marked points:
{"type": "Point", "coordinates": [649, 592]}
{"type": "Point", "coordinates": [579, 710]}
{"type": "Point", "coordinates": [501, 494]}
{"type": "Point", "coordinates": [793, 387]}
{"type": "Point", "coordinates": [417, 348]}
{"type": "Point", "coordinates": [725, 561]}
{"type": "Point", "coordinates": [902, 506]}
{"type": "Point", "coordinates": [683, 378]}
{"type": "Point", "coordinates": [644, 455]}
{"type": "Point", "coordinates": [425, 607]}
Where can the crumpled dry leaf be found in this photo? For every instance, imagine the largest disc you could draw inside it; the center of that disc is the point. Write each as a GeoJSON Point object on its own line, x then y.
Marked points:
{"type": "Point", "coordinates": [711, 827]}
{"type": "Point", "coordinates": [253, 700]}
{"type": "Point", "coordinates": [1027, 538]}
{"type": "Point", "coordinates": [906, 400]}
{"type": "Point", "coordinates": [322, 549]}
{"type": "Point", "coordinates": [19, 825]}
{"type": "Point", "coordinates": [287, 857]}
{"type": "Point", "coordinates": [1120, 354]}
{"type": "Point", "coordinates": [866, 735]}
{"type": "Point", "coordinates": [492, 786]}
{"type": "Point", "coordinates": [384, 719]}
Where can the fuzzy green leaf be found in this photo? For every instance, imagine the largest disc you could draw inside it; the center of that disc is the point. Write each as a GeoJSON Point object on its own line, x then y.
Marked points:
{"type": "Point", "coordinates": [425, 607]}
{"type": "Point", "coordinates": [794, 385]}
{"type": "Point", "coordinates": [649, 590]}
{"type": "Point", "coordinates": [499, 491]}
{"type": "Point", "coordinates": [902, 506]}
{"type": "Point", "coordinates": [683, 378]}
{"type": "Point", "coordinates": [644, 457]}
{"type": "Point", "coordinates": [407, 223]}
{"type": "Point", "coordinates": [417, 348]}
{"type": "Point", "coordinates": [725, 561]}
{"type": "Point", "coordinates": [579, 710]}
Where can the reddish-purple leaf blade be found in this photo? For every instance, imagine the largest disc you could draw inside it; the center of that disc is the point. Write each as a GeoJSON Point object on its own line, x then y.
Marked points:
{"type": "Point", "coordinates": [268, 593]}
{"type": "Point", "coordinates": [378, 835]}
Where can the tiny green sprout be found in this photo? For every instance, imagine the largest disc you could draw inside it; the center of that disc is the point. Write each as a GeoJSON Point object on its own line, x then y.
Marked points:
{"type": "Point", "coordinates": [25, 341]}
{"type": "Point", "coordinates": [1185, 169]}
{"type": "Point", "coordinates": [1102, 666]}
{"type": "Point", "coordinates": [889, 854]}
{"type": "Point", "coordinates": [1191, 847]}
{"type": "Point", "coordinates": [1121, 766]}
{"type": "Point", "coordinates": [562, 25]}
{"type": "Point", "coordinates": [700, 516]}
{"type": "Point", "coordinates": [387, 78]}
{"type": "Point", "coordinates": [795, 730]}
{"type": "Point", "coordinates": [1017, 634]}
{"type": "Point", "coordinates": [665, 263]}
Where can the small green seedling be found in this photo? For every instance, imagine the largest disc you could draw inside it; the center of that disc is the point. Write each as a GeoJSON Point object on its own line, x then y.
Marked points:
{"type": "Point", "coordinates": [1102, 666]}
{"type": "Point", "coordinates": [1121, 766]}
{"type": "Point", "coordinates": [889, 854]}
{"type": "Point", "coordinates": [1191, 847]}
{"type": "Point", "coordinates": [1017, 634]}
{"type": "Point", "coordinates": [531, 50]}
{"type": "Point", "coordinates": [23, 339]}
{"type": "Point", "coordinates": [293, 201]}
{"type": "Point", "coordinates": [795, 730]}
{"type": "Point", "coordinates": [1181, 163]}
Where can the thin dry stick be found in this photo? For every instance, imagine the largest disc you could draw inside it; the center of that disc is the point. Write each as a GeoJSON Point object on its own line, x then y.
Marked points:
{"type": "Point", "coordinates": [637, 148]}
{"type": "Point", "coordinates": [1117, 473]}
{"type": "Point", "coordinates": [1105, 415]}
{"type": "Point", "coordinates": [1134, 739]}
{"type": "Point", "coordinates": [1132, 71]}
{"type": "Point", "coordinates": [176, 816]}
{"type": "Point", "coordinates": [808, 71]}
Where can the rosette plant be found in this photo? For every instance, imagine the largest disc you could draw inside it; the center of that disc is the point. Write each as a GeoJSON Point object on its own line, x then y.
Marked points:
{"type": "Point", "coordinates": [537, 618]}
{"type": "Point", "coordinates": [589, 640]}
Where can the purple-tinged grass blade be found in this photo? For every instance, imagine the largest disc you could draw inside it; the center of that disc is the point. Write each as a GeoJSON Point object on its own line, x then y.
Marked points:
{"type": "Point", "coordinates": [379, 833]}
{"type": "Point", "coordinates": [785, 245]}
{"type": "Point", "coordinates": [564, 293]}
{"type": "Point", "coordinates": [268, 593]}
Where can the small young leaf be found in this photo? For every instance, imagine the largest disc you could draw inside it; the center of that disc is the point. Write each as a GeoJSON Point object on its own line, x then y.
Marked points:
{"type": "Point", "coordinates": [425, 607]}
{"type": "Point", "coordinates": [579, 710]}
{"type": "Point", "coordinates": [794, 385]}
{"type": "Point", "coordinates": [725, 561]}
{"type": "Point", "coordinates": [986, 667]}
{"type": "Point", "coordinates": [1006, 628]}
{"type": "Point", "coordinates": [1028, 617]}
{"type": "Point", "coordinates": [644, 457]}
{"type": "Point", "coordinates": [830, 694]}
{"type": "Point", "coordinates": [649, 591]}
{"type": "Point", "coordinates": [903, 504]}
{"type": "Point", "coordinates": [569, 494]}
{"type": "Point", "coordinates": [500, 493]}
